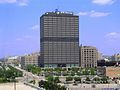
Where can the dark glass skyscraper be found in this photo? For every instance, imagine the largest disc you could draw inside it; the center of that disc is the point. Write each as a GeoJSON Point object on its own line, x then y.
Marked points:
{"type": "Point", "coordinates": [59, 39]}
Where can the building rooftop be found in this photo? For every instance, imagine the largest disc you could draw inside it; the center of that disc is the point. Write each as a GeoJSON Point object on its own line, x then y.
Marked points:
{"type": "Point", "coordinates": [59, 13]}
{"type": "Point", "coordinates": [89, 47]}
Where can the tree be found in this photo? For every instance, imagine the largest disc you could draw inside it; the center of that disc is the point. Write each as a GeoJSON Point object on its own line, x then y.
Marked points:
{"type": "Point", "coordinates": [62, 88]}
{"type": "Point", "coordinates": [56, 80]}
{"type": "Point", "coordinates": [72, 73]}
{"type": "Point", "coordinates": [50, 79]}
{"type": "Point", "coordinates": [85, 72]}
{"type": "Point", "coordinates": [69, 78]}
{"type": "Point", "coordinates": [65, 73]}
{"type": "Point", "coordinates": [75, 69]}
{"type": "Point", "coordinates": [29, 68]}
{"type": "Point", "coordinates": [92, 71]}
{"type": "Point", "coordinates": [50, 86]}
{"type": "Point", "coordinates": [78, 73]}
{"type": "Point", "coordinates": [77, 79]}
{"type": "Point", "coordinates": [87, 79]}
{"type": "Point", "coordinates": [104, 79]}
{"type": "Point", "coordinates": [96, 79]}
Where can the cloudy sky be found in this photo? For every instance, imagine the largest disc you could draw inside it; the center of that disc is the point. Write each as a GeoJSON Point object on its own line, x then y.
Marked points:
{"type": "Point", "coordinates": [19, 24]}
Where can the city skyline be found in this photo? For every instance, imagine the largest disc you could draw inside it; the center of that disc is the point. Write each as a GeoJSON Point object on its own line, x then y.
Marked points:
{"type": "Point", "coordinates": [99, 24]}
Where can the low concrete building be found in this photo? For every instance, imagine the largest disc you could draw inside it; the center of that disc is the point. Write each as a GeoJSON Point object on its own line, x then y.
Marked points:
{"type": "Point", "coordinates": [30, 59]}
{"type": "Point", "coordinates": [111, 72]}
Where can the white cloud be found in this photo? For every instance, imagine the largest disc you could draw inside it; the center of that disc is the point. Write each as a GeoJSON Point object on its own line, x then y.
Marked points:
{"type": "Point", "coordinates": [35, 27]}
{"type": "Point", "coordinates": [83, 13]}
{"type": "Point", "coordinates": [98, 14]}
{"type": "Point", "coordinates": [22, 2]}
{"type": "Point", "coordinates": [103, 2]}
{"type": "Point", "coordinates": [7, 1]}
{"type": "Point", "coordinates": [19, 2]}
{"type": "Point", "coordinates": [113, 35]}
{"type": "Point", "coordinates": [94, 14]}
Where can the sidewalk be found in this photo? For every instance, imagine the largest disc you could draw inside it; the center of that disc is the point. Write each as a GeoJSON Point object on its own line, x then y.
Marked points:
{"type": "Point", "coordinates": [19, 86]}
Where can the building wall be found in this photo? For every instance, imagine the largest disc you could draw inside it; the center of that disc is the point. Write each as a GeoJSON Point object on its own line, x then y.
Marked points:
{"type": "Point", "coordinates": [31, 59]}
{"type": "Point", "coordinates": [116, 57]}
{"type": "Point", "coordinates": [88, 56]}
{"type": "Point", "coordinates": [15, 60]}
{"type": "Point", "coordinates": [113, 72]}
{"type": "Point", "coordinates": [59, 39]}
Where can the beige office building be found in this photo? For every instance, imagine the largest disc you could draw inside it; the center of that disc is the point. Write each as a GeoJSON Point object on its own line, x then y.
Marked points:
{"type": "Point", "coordinates": [30, 59]}
{"type": "Point", "coordinates": [88, 56]}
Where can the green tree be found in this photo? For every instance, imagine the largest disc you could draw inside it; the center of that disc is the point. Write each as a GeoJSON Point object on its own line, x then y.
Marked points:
{"type": "Point", "coordinates": [50, 79]}
{"type": "Point", "coordinates": [69, 78]}
{"type": "Point", "coordinates": [104, 79]}
{"type": "Point", "coordinates": [50, 86]}
{"type": "Point", "coordinates": [64, 73]}
{"type": "Point", "coordinates": [56, 80]}
{"type": "Point", "coordinates": [77, 79]}
{"type": "Point", "coordinates": [96, 79]}
{"type": "Point", "coordinates": [75, 69]}
{"type": "Point", "coordinates": [85, 72]}
{"type": "Point", "coordinates": [87, 79]}
{"type": "Point", "coordinates": [72, 73]}
{"type": "Point", "coordinates": [92, 71]}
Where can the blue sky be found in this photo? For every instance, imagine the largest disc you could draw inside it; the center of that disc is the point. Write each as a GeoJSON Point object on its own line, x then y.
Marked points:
{"type": "Point", "coordinates": [19, 24]}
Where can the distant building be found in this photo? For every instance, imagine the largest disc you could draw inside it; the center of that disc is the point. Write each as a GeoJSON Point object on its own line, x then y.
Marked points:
{"type": "Point", "coordinates": [107, 63]}
{"type": "Point", "coordinates": [14, 60]}
{"type": "Point", "coordinates": [115, 57]}
{"type": "Point", "coordinates": [111, 72]}
{"type": "Point", "coordinates": [30, 59]}
{"type": "Point", "coordinates": [107, 57]}
{"type": "Point", "coordinates": [100, 56]}
{"type": "Point", "coordinates": [59, 39]}
{"type": "Point", "coordinates": [88, 56]}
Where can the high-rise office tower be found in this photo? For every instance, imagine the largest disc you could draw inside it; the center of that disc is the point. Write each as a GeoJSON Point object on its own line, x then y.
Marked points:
{"type": "Point", "coordinates": [88, 56]}
{"type": "Point", "coordinates": [59, 39]}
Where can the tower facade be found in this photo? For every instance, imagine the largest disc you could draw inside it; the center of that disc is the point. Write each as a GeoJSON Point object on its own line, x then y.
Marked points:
{"type": "Point", "coordinates": [59, 39]}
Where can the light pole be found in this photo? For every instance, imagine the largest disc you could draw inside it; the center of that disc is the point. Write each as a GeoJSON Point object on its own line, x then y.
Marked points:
{"type": "Point", "coordinates": [14, 81]}
{"type": "Point", "coordinates": [14, 85]}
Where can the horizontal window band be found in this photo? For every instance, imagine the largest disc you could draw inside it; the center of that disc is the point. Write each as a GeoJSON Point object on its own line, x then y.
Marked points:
{"type": "Point", "coordinates": [60, 39]}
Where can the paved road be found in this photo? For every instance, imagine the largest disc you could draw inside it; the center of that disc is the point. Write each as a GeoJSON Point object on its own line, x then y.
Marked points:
{"type": "Point", "coordinates": [29, 75]}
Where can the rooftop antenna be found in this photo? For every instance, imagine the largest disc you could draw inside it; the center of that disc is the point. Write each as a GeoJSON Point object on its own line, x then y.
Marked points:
{"type": "Point", "coordinates": [56, 10]}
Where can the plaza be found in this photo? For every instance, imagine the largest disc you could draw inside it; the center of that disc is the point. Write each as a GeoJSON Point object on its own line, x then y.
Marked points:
{"type": "Point", "coordinates": [19, 86]}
